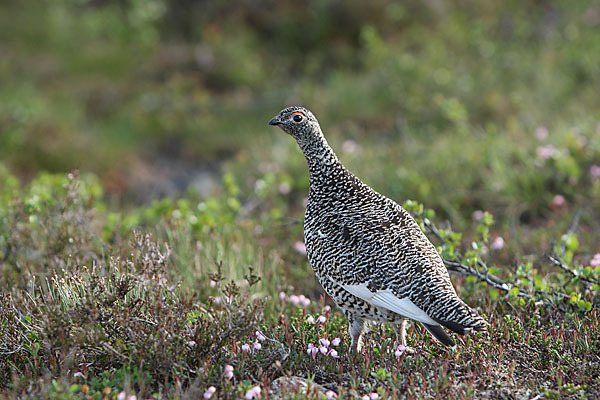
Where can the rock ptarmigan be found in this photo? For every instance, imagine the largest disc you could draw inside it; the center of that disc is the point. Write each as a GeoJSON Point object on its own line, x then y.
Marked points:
{"type": "Point", "coordinates": [368, 253]}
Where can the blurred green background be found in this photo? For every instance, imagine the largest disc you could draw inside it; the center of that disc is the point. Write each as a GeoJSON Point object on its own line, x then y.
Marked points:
{"type": "Point", "coordinates": [462, 105]}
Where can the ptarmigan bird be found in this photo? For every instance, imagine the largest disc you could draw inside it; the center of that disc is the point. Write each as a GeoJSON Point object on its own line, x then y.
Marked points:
{"type": "Point", "coordinates": [367, 251]}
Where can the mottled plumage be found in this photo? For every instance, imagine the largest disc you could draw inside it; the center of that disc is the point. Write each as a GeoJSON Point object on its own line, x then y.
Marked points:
{"type": "Point", "coordinates": [368, 253]}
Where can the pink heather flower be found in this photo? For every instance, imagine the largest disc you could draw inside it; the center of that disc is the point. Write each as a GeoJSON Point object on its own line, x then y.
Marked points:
{"type": "Point", "coordinates": [295, 299]}
{"type": "Point", "coordinates": [253, 393]}
{"type": "Point", "coordinates": [326, 309]}
{"type": "Point", "coordinates": [478, 215]}
{"type": "Point", "coordinates": [322, 319]}
{"type": "Point", "coordinates": [282, 296]}
{"type": "Point", "coordinates": [310, 319]}
{"type": "Point", "coordinates": [558, 201]}
{"type": "Point", "coordinates": [305, 301]}
{"type": "Point", "coordinates": [122, 396]}
{"type": "Point", "coordinates": [191, 343]}
{"type": "Point", "coordinates": [245, 347]}
{"type": "Point", "coordinates": [545, 152]}
{"type": "Point", "coordinates": [209, 392]}
{"type": "Point", "coordinates": [323, 349]}
{"type": "Point", "coordinates": [498, 243]}
{"type": "Point", "coordinates": [312, 350]}
{"type": "Point", "coordinates": [228, 371]}
{"type": "Point", "coordinates": [300, 247]}
{"type": "Point", "coordinates": [365, 397]}
{"type": "Point", "coordinates": [79, 375]}
{"type": "Point", "coordinates": [333, 353]}
{"type": "Point", "coordinates": [331, 394]}
{"type": "Point", "coordinates": [373, 396]}
{"type": "Point", "coordinates": [284, 188]}
{"type": "Point", "coordinates": [336, 341]}
{"type": "Point", "coordinates": [541, 133]}
{"type": "Point", "coordinates": [212, 283]}
{"type": "Point", "coordinates": [401, 349]}
{"type": "Point", "coordinates": [260, 336]}
{"type": "Point", "coordinates": [324, 342]}
{"type": "Point", "coordinates": [257, 346]}
{"type": "Point", "coordinates": [349, 147]}
{"type": "Point", "coordinates": [595, 262]}
{"type": "Point", "coordinates": [595, 171]}
{"type": "Point", "coordinates": [132, 397]}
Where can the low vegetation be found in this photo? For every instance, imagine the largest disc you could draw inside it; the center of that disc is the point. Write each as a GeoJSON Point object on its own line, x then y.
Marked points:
{"type": "Point", "coordinates": [151, 224]}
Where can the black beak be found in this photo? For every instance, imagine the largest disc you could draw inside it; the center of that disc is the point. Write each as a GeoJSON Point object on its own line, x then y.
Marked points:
{"type": "Point", "coordinates": [274, 121]}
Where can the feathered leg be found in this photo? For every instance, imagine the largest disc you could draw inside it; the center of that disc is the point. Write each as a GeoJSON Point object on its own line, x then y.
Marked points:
{"type": "Point", "coordinates": [401, 332]}
{"type": "Point", "coordinates": [356, 327]}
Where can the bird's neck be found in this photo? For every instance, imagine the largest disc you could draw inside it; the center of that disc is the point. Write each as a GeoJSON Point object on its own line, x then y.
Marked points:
{"type": "Point", "coordinates": [320, 157]}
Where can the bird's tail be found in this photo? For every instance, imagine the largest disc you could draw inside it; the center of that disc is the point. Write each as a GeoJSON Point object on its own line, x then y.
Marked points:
{"type": "Point", "coordinates": [440, 334]}
{"type": "Point", "coordinates": [460, 318]}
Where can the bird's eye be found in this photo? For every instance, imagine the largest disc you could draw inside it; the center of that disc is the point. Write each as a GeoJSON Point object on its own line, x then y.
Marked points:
{"type": "Point", "coordinates": [297, 117]}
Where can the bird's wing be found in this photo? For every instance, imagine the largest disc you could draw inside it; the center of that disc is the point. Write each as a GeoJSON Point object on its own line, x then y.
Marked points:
{"type": "Point", "coordinates": [388, 300]}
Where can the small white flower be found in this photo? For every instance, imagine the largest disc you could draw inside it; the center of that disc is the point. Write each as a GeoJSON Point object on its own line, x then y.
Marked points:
{"type": "Point", "coordinates": [79, 375]}
{"type": "Point", "coordinates": [478, 215]}
{"type": "Point", "coordinates": [312, 350]}
{"type": "Point", "coordinates": [282, 296]}
{"type": "Point", "coordinates": [336, 341]}
{"type": "Point", "coordinates": [212, 283]}
{"type": "Point", "coordinates": [300, 248]}
{"type": "Point", "coordinates": [365, 397]}
{"type": "Point", "coordinates": [260, 336]}
{"type": "Point", "coordinates": [132, 397]}
{"type": "Point", "coordinates": [257, 346]}
{"type": "Point", "coordinates": [295, 299]}
{"type": "Point", "coordinates": [284, 188]}
{"type": "Point", "coordinates": [558, 201]}
{"type": "Point", "coordinates": [209, 392]}
{"type": "Point", "coordinates": [228, 371]}
{"type": "Point", "coordinates": [322, 319]}
{"type": "Point", "coordinates": [324, 342]}
{"type": "Point", "coordinates": [546, 152]}
{"type": "Point", "coordinates": [326, 309]}
{"type": "Point", "coordinates": [350, 147]}
{"type": "Point", "coordinates": [305, 301]}
{"type": "Point", "coordinates": [401, 349]}
{"type": "Point", "coordinates": [331, 394]}
{"type": "Point", "coordinates": [333, 353]}
{"type": "Point", "coordinates": [498, 243]}
{"type": "Point", "coordinates": [373, 396]}
{"type": "Point", "coordinates": [245, 347]}
{"type": "Point", "coordinates": [253, 393]}
{"type": "Point", "coordinates": [310, 319]}
{"type": "Point", "coordinates": [191, 343]}
{"type": "Point", "coordinates": [323, 349]}
{"type": "Point", "coordinates": [122, 396]}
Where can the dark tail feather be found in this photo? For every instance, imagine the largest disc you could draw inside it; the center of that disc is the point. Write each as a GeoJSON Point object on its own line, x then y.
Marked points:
{"type": "Point", "coordinates": [440, 334]}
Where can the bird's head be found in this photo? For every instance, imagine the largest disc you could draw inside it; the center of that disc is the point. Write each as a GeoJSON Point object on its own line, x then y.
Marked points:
{"type": "Point", "coordinates": [299, 122]}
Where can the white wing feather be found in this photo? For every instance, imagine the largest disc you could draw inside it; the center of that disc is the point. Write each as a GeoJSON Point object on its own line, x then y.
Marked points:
{"type": "Point", "coordinates": [388, 300]}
